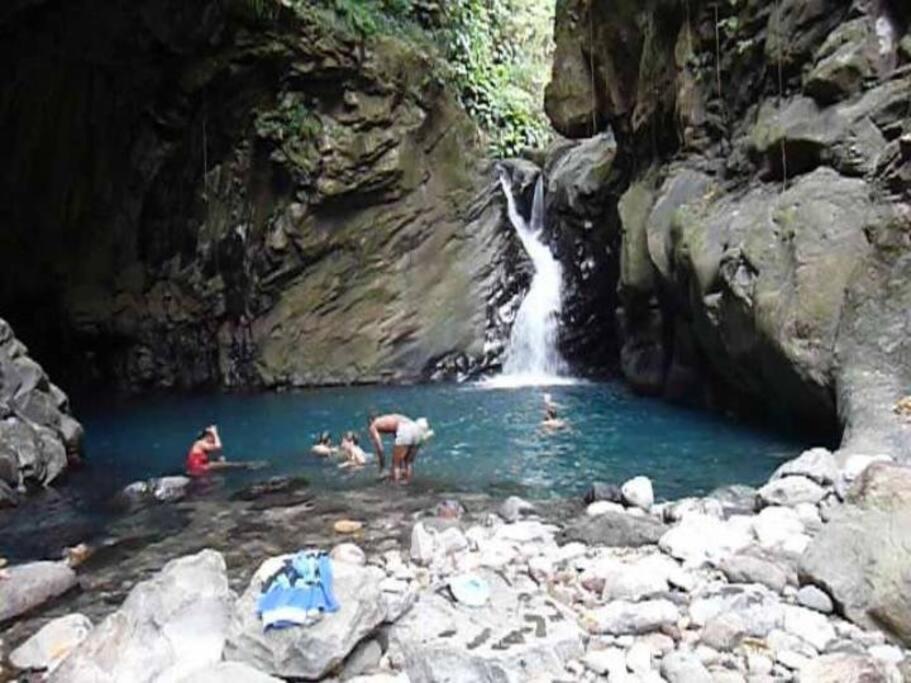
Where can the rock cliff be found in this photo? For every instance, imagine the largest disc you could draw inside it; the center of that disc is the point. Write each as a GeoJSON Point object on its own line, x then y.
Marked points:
{"type": "Point", "coordinates": [38, 437]}
{"type": "Point", "coordinates": [749, 200]}
{"type": "Point", "coordinates": [231, 193]}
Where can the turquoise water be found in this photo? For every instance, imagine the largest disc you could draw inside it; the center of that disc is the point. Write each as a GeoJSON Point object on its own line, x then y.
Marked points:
{"type": "Point", "coordinates": [486, 439]}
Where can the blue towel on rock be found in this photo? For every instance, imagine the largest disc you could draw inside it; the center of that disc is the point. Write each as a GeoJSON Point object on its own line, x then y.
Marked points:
{"type": "Point", "coordinates": [293, 595]}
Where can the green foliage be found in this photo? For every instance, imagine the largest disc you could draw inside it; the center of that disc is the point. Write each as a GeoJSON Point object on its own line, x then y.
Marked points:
{"type": "Point", "coordinates": [499, 54]}
{"type": "Point", "coordinates": [494, 53]}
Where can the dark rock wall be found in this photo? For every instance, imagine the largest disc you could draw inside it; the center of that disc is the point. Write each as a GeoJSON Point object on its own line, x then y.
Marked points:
{"type": "Point", "coordinates": [194, 195]}
{"type": "Point", "coordinates": [762, 205]}
{"type": "Point", "coordinates": [38, 436]}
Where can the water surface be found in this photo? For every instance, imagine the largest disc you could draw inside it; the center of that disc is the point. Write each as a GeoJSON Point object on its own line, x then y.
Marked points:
{"type": "Point", "coordinates": [486, 438]}
{"type": "Point", "coordinates": [487, 441]}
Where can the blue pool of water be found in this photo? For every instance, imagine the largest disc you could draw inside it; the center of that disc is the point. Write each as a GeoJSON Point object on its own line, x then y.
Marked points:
{"type": "Point", "coordinates": [486, 439]}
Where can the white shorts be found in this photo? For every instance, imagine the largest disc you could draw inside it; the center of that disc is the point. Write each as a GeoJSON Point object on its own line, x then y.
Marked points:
{"type": "Point", "coordinates": [408, 434]}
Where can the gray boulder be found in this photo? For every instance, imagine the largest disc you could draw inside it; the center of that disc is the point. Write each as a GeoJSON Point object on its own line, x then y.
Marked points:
{"type": "Point", "coordinates": [871, 538]}
{"type": "Point", "coordinates": [736, 499]}
{"type": "Point", "coordinates": [167, 628]}
{"type": "Point", "coordinates": [615, 529]}
{"type": "Point", "coordinates": [514, 637]}
{"type": "Point", "coordinates": [29, 585]}
{"type": "Point", "coordinates": [817, 464]}
{"type": "Point", "coordinates": [790, 491]}
{"type": "Point", "coordinates": [314, 651]}
{"type": "Point", "coordinates": [841, 668]}
{"type": "Point", "coordinates": [38, 437]}
{"type": "Point", "coordinates": [752, 568]}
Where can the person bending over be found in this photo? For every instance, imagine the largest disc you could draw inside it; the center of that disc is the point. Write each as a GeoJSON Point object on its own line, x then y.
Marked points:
{"type": "Point", "coordinates": [410, 435]}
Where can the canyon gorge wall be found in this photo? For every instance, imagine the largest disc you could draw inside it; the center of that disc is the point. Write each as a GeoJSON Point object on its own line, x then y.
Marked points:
{"type": "Point", "coordinates": [211, 194]}
{"type": "Point", "coordinates": [753, 188]}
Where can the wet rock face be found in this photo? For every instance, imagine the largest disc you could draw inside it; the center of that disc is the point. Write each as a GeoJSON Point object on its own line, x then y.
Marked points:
{"type": "Point", "coordinates": [38, 437]}
{"type": "Point", "coordinates": [762, 233]}
{"type": "Point", "coordinates": [240, 200]}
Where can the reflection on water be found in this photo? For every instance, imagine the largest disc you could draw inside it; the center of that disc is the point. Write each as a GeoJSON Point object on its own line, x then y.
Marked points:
{"type": "Point", "coordinates": [487, 440]}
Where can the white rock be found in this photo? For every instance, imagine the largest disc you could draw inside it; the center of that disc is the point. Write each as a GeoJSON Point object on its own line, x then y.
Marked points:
{"type": "Point", "coordinates": [817, 464]}
{"type": "Point", "coordinates": [28, 585]}
{"type": "Point", "coordinates": [167, 628]}
{"type": "Point", "coordinates": [808, 625]}
{"type": "Point", "coordinates": [634, 580]}
{"type": "Point", "coordinates": [639, 659]}
{"type": "Point", "coordinates": [476, 535]}
{"type": "Point", "coordinates": [790, 491]}
{"type": "Point", "coordinates": [808, 514]}
{"type": "Point", "coordinates": [777, 527]}
{"type": "Point", "coordinates": [792, 660]}
{"type": "Point", "coordinates": [883, 653]}
{"type": "Point", "coordinates": [514, 508]}
{"type": "Point", "coordinates": [480, 644]}
{"type": "Point", "coordinates": [682, 667]}
{"type": "Point", "coordinates": [622, 617]}
{"type": "Point", "coordinates": [856, 464]}
{"type": "Point", "coordinates": [699, 538]}
{"type": "Point", "coordinates": [350, 553]}
{"type": "Point", "coordinates": [610, 662]}
{"type": "Point", "coordinates": [235, 672]}
{"type": "Point", "coordinates": [759, 664]}
{"type": "Point", "coordinates": [528, 531]}
{"type": "Point", "coordinates": [815, 599]}
{"type": "Point", "coordinates": [496, 554]}
{"type": "Point", "coordinates": [540, 568]}
{"type": "Point", "coordinates": [400, 677]}
{"type": "Point", "coordinates": [167, 489]}
{"type": "Point", "coordinates": [54, 641]}
{"type": "Point", "coordinates": [423, 544]}
{"type": "Point", "coordinates": [602, 507]}
{"type": "Point", "coordinates": [450, 541]}
{"type": "Point", "coordinates": [637, 492]}
{"type": "Point", "coordinates": [393, 585]}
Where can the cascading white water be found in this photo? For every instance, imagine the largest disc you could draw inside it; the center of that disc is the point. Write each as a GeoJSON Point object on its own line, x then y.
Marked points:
{"type": "Point", "coordinates": [531, 355]}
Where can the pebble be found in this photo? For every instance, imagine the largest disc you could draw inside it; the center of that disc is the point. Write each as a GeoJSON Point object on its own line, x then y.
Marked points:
{"type": "Point", "coordinates": [347, 526]}
{"type": "Point", "coordinates": [815, 599]}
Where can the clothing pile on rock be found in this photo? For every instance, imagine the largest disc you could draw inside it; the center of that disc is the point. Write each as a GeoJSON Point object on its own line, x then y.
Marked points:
{"type": "Point", "coordinates": [299, 593]}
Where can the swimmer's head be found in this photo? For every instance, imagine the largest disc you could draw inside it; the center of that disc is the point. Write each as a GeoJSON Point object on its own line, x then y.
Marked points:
{"type": "Point", "coordinates": [424, 426]}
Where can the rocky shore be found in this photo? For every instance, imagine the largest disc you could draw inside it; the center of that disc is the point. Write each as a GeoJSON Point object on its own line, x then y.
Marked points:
{"type": "Point", "coordinates": [803, 579]}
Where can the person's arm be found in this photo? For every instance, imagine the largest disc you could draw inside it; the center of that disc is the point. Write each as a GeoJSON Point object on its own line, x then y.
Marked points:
{"type": "Point", "coordinates": [216, 446]}
{"type": "Point", "coordinates": [377, 443]}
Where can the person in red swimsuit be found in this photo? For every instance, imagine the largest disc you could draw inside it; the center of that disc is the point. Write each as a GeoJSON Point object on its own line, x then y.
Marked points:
{"type": "Point", "coordinates": [206, 443]}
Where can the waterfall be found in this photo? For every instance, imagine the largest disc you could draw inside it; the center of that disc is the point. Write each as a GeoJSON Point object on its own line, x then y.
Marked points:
{"type": "Point", "coordinates": [531, 355]}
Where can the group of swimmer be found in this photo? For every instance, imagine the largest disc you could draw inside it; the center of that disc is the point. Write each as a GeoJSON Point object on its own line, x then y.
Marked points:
{"type": "Point", "coordinates": [409, 435]}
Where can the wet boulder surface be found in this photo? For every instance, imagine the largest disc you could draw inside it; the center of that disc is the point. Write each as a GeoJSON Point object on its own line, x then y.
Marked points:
{"type": "Point", "coordinates": [753, 208]}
